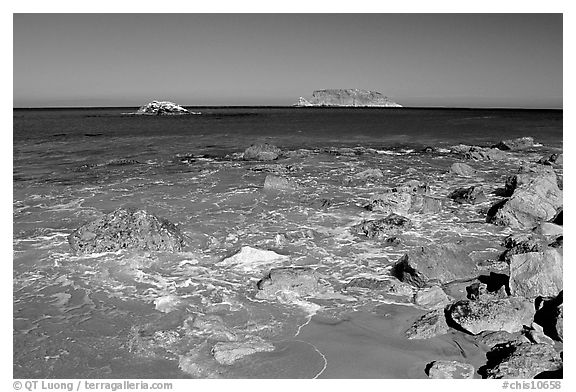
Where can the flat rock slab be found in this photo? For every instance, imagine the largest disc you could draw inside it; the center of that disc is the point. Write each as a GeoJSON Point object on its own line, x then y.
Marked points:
{"type": "Point", "coordinates": [450, 370]}
{"type": "Point", "coordinates": [127, 229]}
{"type": "Point", "coordinates": [536, 274]}
{"type": "Point", "coordinates": [507, 314]}
{"type": "Point", "coordinates": [521, 360]}
{"type": "Point", "coordinates": [226, 353]}
{"type": "Point", "coordinates": [439, 263]}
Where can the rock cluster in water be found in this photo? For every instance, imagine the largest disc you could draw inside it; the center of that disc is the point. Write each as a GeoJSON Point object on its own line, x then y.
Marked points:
{"type": "Point", "coordinates": [347, 97]}
{"type": "Point", "coordinates": [162, 108]}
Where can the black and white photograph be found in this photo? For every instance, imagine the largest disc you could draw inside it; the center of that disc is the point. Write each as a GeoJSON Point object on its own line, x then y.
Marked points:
{"type": "Point", "coordinates": [287, 196]}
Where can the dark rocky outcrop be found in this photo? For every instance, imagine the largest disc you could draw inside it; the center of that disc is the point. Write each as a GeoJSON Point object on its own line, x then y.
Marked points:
{"type": "Point", "coordinates": [550, 315]}
{"type": "Point", "coordinates": [536, 274]}
{"type": "Point", "coordinates": [520, 360]}
{"type": "Point", "coordinates": [347, 97]}
{"type": "Point", "coordinates": [450, 370]}
{"type": "Point", "coordinates": [384, 228]}
{"type": "Point", "coordinates": [521, 143]}
{"type": "Point", "coordinates": [471, 195]}
{"type": "Point", "coordinates": [429, 325]}
{"type": "Point", "coordinates": [439, 263]}
{"type": "Point", "coordinates": [507, 314]}
{"type": "Point", "coordinates": [127, 229]}
{"type": "Point", "coordinates": [261, 152]}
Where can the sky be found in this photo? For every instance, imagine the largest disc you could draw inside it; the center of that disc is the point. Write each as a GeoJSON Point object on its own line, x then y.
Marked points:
{"type": "Point", "coordinates": [457, 60]}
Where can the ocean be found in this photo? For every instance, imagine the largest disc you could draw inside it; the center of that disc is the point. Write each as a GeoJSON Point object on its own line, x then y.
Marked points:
{"type": "Point", "coordinates": [80, 316]}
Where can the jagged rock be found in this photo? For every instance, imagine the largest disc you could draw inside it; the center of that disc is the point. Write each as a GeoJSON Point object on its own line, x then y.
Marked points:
{"type": "Point", "coordinates": [450, 370]}
{"type": "Point", "coordinates": [228, 353]}
{"type": "Point", "coordinates": [534, 199]}
{"type": "Point", "coordinates": [429, 325]}
{"type": "Point", "coordinates": [521, 243]}
{"type": "Point", "coordinates": [248, 258]}
{"type": "Point", "coordinates": [392, 225]}
{"type": "Point", "coordinates": [536, 273]}
{"type": "Point", "coordinates": [413, 187]}
{"type": "Point", "coordinates": [492, 338]}
{"type": "Point", "coordinates": [480, 153]}
{"type": "Point", "coordinates": [472, 195]}
{"type": "Point", "coordinates": [516, 144]}
{"type": "Point", "coordinates": [462, 169]}
{"type": "Point", "coordinates": [390, 286]}
{"type": "Point", "coordinates": [520, 360]}
{"type": "Point", "coordinates": [363, 177]}
{"type": "Point", "coordinates": [536, 335]}
{"type": "Point", "coordinates": [525, 175]}
{"type": "Point", "coordinates": [347, 97]}
{"type": "Point", "coordinates": [291, 281]}
{"type": "Point", "coordinates": [127, 229]}
{"type": "Point", "coordinates": [441, 263]}
{"type": "Point", "coordinates": [559, 217]}
{"type": "Point", "coordinates": [261, 152]}
{"type": "Point", "coordinates": [424, 204]}
{"type": "Point", "coordinates": [283, 184]}
{"type": "Point", "coordinates": [554, 159]}
{"type": "Point", "coordinates": [431, 298]}
{"type": "Point", "coordinates": [508, 314]}
{"type": "Point", "coordinates": [162, 108]}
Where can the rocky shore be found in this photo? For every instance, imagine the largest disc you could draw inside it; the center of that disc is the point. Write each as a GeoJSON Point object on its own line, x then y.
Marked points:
{"type": "Point", "coordinates": [510, 306]}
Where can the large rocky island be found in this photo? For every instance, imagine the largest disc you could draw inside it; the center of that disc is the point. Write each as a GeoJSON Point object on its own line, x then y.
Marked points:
{"type": "Point", "coordinates": [161, 108]}
{"type": "Point", "coordinates": [347, 97]}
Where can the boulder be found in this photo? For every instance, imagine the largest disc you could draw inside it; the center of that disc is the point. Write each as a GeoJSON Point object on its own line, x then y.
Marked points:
{"type": "Point", "coordinates": [450, 370]}
{"type": "Point", "coordinates": [548, 229]}
{"type": "Point", "coordinates": [439, 263]}
{"type": "Point", "coordinates": [248, 258]}
{"type": "Point", "coordinates": [485, 154]}
{"type": "Point", "coordinates": [472, 195]}
{"type": "Point", "coordinates": [492, 338]}
{"type": "Point", "coordinates": [429, 325]}
{"type": "Point", "coordinates": [261, 152]}
{"type": "Point", "coordinates": [521, 360]}
{"type": "Point", "coordinates": [532, 202]}
{"type": "Point", "coordinates": [507, 314]}
{"type": "Point", "coordinates": [282, 184]}
{"type": "Point", "coordinates": [383, 228]}
{"type": "Point", "coordinates": [525, 175]}
{"type": "Point", "coordinates": [521, 243]}
{"type": "Point", "coordinates": [550, 315]}
{"type": "Point", "coordinates": [390, 203]}
{"type": "Point", "coordinates": [291, 281]}
{"type": "Point", "coordinates": [127, 229]}
{"type": "Point", "coordinates": [462, 169]}
{"type": "Point", "coordinates": [424, 204]}
{"type": "Point", "coordinates": [226, 353]}
{"type": "Point", "coordinates": [535, 274]}
{"type": "Point", "coordinates": [554, 159]}
{"type": "Point", "coordinates": [368, 175]}
{"type": "Point", "coordinates": [431, 298]}
{"type": "Point", "coordinates": [515, 144]}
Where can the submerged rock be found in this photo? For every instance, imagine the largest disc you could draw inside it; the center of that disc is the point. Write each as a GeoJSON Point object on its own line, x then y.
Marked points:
{"type": "Point", "coordinates": [462, 169]}
{"type": "Point", "coordinates": [391, 286]}
{"type": "Point", "coordinates": [248, 258]}
{"type": "Point", "coordinates": [535, 274]}
{"type": "Point", "coordinates": [472, 195]}
{"type": "Point", "coordinates": [282, 184]}
{"type": "Point", "coordinates": [392, 225]}
{"type": "Point", "coordinates": [450, 370]}
{"type": "Point", "coordinates": [290, 281]}
{"type": "Point", "coordinates": [212, 326]}
{"type": "Point", "coordinates": [368, 175]}
{"type": "Point", "coordinates": [228, 353]}
{"type": "Point", "coordinates": [516, 144]}
{"type": "Point", "coordinates": [162, 108]}
{"type": "Point", "coordinates": [507, 314]}
{"type": "Point", "coordinates": [390, 203]}
{"type": "Point", "coordinates": [127, 229]}
{"type": "Point", "coordinates": [261, 152]}
{"type": "Point", "coordinates": [439, 263]}
{"type": "Point", "coordinates": [347, 97]}
{"type": "Point", "coordinates": [521, 360]}
{"type": "Point", "coordinates": [429, 325]}
{"type": "Point", "coordinates": [424, 204]}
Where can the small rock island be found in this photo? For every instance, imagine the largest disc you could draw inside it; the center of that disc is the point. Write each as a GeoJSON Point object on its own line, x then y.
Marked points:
{"type": "Point", "coordinates": [161, 108]}
{"type": "Point", "coordinates": [347, 98]}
